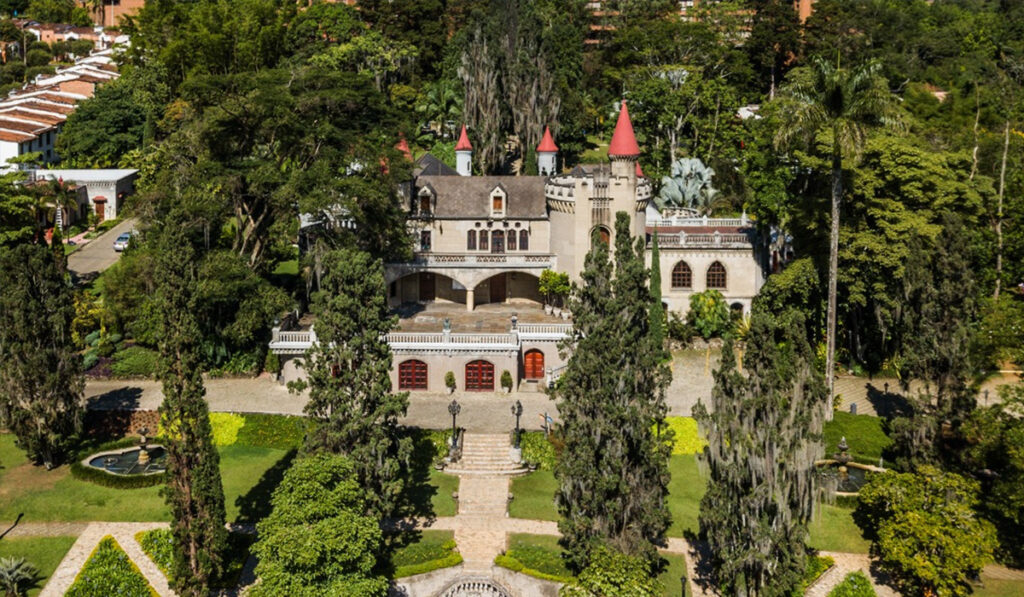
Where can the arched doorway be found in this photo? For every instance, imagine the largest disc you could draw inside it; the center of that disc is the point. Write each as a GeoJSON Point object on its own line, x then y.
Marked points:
{"type": "Point", "coordinates": [412, 375]}
{"type": "Point", "coordinates": [479, 376]}
{"type": "Point", "coordinates": [533, 364]}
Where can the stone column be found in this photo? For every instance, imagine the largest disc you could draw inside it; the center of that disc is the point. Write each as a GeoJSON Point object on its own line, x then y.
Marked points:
{"type": "Point", "coordinates": [470, 299]}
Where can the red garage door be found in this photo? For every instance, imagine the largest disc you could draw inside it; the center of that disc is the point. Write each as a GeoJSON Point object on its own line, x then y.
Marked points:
{"type": "Point", "coordinates": [533, 362]}
{"type": "Point", "coordinates": [480, 376]}
{"type": "Point", "coordinates": [412, 375]}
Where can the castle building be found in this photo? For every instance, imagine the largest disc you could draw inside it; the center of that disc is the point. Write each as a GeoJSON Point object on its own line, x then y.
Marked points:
{"type": "Point", "coordinates": [469, 300]}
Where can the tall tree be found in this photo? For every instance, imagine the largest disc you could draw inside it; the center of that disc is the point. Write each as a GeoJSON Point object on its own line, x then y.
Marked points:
{"type": "Point", "coordinates": [840, 104]}
{"type": "Point", "coordinates": [774, 39]}
{"type": "Point", "coordinates": [613, 472]}
{"type": "Point", "coordinates": [318, 539]}
{"type": "Point", "coordinates": [349, 378]}
{"type": "Point", "coordinates": [41, 401]}
{"type": "Point", "coordinates": [939, 312]}
{"type": "Point", "coordinates": [657, 308]}
{"type": "Point", "coordinates": [764, 434]}
{"type": "Point", "coordinates": [194, 491]}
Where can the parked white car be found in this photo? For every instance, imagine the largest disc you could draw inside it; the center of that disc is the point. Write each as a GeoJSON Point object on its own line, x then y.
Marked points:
{"type": "Point", "coordinates": [122, 241]}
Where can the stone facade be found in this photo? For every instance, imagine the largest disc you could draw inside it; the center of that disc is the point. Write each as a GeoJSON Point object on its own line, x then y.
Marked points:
{"type": "Point", "coordinates": [486, 240]}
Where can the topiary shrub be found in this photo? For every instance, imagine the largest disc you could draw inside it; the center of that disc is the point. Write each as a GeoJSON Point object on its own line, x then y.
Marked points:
{"type": "Point", "coordinates": [506, 380]}
{"type": "Point", "coordinates": [538, 450]}
{"type": "Point", "coordinates": [109, 571]}
{"type": "Point", "coordinates": [449, 380]}
{"type": "Point", "coordinates": [856, 584]}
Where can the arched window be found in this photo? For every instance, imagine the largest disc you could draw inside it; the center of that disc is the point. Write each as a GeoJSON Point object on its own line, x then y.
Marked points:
{"type": "Point", "coordinates": [533, 364]}
{"type": "Point", "coordinates": [524, 240]}
{"type": "Point", "coordinates": [412, 375]}
{"type": "Point", "coordinates": [498, 241]}
{"type": "Point", "coordinates": [471, 240]}
{"type": "Point", "coordinates": [682, 276]}
{"type": "Point", "coordinates": [603, 235]}
{"type": "Point", "coordinates": [479, 376]}
{"type": "Point", "coordinates": [483, 240]}
{"type": "Point", "coordinates": [716, 277]}
{"type": "Point", "coordinates": [511, 240]}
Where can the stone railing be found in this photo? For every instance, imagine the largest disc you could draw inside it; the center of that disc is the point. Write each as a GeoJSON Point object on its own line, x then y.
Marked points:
{"type": "Point", "coordinates": [729, 240]}
{"type": "Point", "coordinates": [530, 260]}
{"type": "Point", "coordinates": [298, 342]}
{"type": "Point", "coordinates": [544, 332]}
{"type": "Point", "coordinates": [740, 222]}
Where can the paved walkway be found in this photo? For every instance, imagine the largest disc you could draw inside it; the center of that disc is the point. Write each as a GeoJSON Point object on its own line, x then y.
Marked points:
{"type": "Point", "coordinates": [124, 534]}
{"type": "Point", "coordinates": [99, 253]}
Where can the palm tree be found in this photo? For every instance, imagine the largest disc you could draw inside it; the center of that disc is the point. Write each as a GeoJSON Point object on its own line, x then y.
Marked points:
{"type": "Point", "coordinates": [841, 105]}
{"type": "Point", "coordinates": [14, 573]}
{"type": "Point", "coordinates": [441, 104]}
{"type": "Point", "coordinates": [51, 195]}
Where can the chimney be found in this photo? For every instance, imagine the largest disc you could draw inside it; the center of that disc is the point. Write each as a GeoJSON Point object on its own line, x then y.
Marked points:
{"type": "Point", "coordinates": [547, 155]}
{"type": "Point", "coordinates": [464, 155]}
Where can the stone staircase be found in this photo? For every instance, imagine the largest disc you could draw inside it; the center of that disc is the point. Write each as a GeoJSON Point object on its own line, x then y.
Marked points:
{"type": "Point", "coordinates": [486, 455]}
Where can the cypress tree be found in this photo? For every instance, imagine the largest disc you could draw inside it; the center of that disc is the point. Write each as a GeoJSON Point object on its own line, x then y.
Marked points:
{"type": "Point", "coordinates": [657, 309]}
{"type": "Point", "coordinates": [349, 378]}
{"type": "Point", "coordinates": [194, 491]}
{"type": "Point", "coordinates": [40, 372]}
{"type": "Point", "coordinates": [938, 312]}
{"type": "Point", "coordinates": [613, 473]}
{"type": "Point", "coordinates": [764, 434]}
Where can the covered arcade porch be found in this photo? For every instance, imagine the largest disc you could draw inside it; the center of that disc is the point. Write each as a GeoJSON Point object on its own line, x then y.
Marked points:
{"type": "Point", "coordinates": [466, 291]}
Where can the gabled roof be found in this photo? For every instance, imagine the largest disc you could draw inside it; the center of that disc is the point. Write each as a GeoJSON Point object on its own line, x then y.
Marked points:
{"type": "Point", "coordinates": [463, 144]}
{"type": "Point", "coordinates": [623, 140]}
{"type": "Point", "coordinates": [469, 197]}
{"type": "Point", "coordinates": [428, 165]}
{"type": "Point", "coordinates": [547, 144]}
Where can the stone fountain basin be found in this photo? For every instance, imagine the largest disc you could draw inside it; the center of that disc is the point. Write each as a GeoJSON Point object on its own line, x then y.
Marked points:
{"type": "Point", "coordinates": [126, 461]}
{"type": "Point", "coordinates": [856, 471]}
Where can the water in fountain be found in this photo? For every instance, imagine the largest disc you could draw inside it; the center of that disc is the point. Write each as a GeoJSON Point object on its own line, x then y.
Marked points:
{"type": "Point", "coordinates": [127, 462]}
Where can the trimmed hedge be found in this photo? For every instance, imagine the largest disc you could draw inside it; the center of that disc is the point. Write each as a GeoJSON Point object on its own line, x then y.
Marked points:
{"type": "Point", "coordinates": [425, 556]}
{"type": "Point", "coordinates": [687, 437]}
{"type": "Point", "coordinates": [854, 585]}
{"type": "Point", "coordinates": [84, 472]}
{"type": "Point", "coordinates": [159, 546]}
{"type": "Point", "coordinates": [280, 432]}
{"type": "Point", "coordinates": [538, 449]}
{"type": "Point", "coordinates": [816, 566]}
{"type": "Point", "coordinates": [109, 571]}
{"type": "Point", "coordinates": [513, 564]}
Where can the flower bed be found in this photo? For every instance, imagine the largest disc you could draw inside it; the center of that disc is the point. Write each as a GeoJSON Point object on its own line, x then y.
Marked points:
{"type": "Point", "coordinates": [109, 571]}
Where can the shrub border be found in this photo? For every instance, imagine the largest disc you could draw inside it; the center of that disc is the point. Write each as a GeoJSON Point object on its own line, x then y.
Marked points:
{"type": "Point", "coordinates": [513, 564]}
{"type": "Point", "coordinates": [83, 472]}
{"type": "Point", "coordinates": [452, 559]}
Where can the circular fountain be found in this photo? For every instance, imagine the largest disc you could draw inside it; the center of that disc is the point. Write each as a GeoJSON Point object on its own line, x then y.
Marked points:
{"type": "Point", "coordinates": [845, 476]}
{"type": "Point", "coordinates": [143, 459]}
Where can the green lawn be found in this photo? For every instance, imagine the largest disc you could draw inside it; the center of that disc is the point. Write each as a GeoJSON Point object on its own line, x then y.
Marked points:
{"type": "Point", "coordinates": [441, 501]}
{"type": "Point", "coordinates": [674, 575]}
{"type": "Point", "coordinates": [45, 553]}
{"type": "Point", "coordinates": [1000, 588]}
{"type": "Point", "coordinates": [534, 496]}
{"type": "Point", "coordinates": [685, 491]}
{"type": "Point", "coordinates": [597, 153]}
{"type": "Point", "coordinates": [248, 473]}
{"type": "Point", "coordinates": [834, 530]}
{"type": "Point", "coordinates": [430, 550]}
{"type": "Point", "coordinates": [863, 433]}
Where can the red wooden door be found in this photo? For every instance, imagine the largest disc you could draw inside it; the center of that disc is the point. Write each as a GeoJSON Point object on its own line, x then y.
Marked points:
{"type": "Point", "coordinates": [479, 376]}
{"type": "Point", "coordinates": [533, 362]}
{"type": "Point", "coordinates": [412, 375]}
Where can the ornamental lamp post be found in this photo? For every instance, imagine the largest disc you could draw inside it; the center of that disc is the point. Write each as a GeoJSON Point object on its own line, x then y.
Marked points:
{"type": "Point", "coordinates": [517, 411]}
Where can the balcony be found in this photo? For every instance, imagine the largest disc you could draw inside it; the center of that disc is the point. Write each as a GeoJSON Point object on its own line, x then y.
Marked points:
{"type": "Point", "coordinates": [714, 240]}
{"type": "Point", "coordinates": [514, 260]}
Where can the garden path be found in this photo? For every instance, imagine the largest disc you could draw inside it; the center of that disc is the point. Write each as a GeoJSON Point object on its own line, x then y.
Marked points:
{"type": "Point", "coordinates": [122, 532]}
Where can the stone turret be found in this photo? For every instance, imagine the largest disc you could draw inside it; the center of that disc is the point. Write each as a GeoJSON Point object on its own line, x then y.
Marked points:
{"type": "Point", "coordinates": [547, 155]}
{"type": "Point", "coordinates": [464, 154]}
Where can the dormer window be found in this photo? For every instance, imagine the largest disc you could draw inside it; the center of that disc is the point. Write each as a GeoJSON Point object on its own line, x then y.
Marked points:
{"type": "Point", "coordinates": [425, 202]}
{"type": "Point", "coordinates": [499, 198]}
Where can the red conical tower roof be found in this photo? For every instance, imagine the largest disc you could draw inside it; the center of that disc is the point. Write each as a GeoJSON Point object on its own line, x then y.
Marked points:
{"type": "Point", "coordinates": [403, 146]}
{"type": "Point", "coordinates": [463, 144]}
{"type": "Point", "coordinates": [547, 144]}
{"type": "Point", "coordinates": [639, 170]}
{"type": "Point", "coordinates": [623, 140]}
